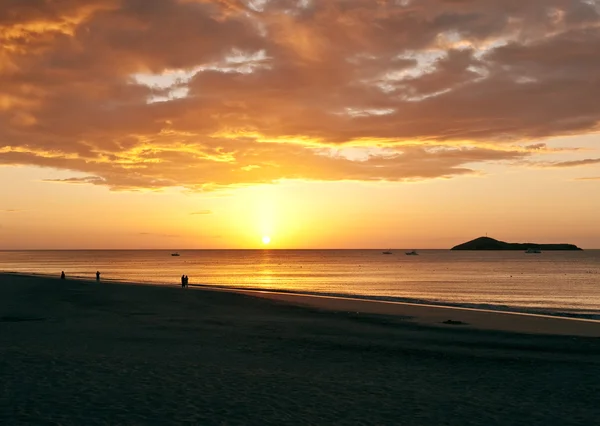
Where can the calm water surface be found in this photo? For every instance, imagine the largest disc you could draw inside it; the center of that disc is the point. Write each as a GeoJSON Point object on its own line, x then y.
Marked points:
{"type": "Point", "coordinates": [563, 283]}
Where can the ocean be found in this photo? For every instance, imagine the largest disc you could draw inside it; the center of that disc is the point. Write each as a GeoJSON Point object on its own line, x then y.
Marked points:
{"type": "Point", "coordinates": [565, 283]}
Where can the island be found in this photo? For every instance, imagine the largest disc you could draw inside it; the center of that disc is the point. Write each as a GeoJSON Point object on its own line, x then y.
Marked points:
{"type": "Point", "coordinates": [486, 243]}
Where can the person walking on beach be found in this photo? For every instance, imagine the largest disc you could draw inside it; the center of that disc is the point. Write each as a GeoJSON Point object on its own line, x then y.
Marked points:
{"type": "Point", "coordinates": [186, 280]}
{"type": "Point", "coordinates": [97, 275]}
{"type": "Point", "coordinates": [62, 275]}
{"type": "Point", "coordinates": [183, 281]}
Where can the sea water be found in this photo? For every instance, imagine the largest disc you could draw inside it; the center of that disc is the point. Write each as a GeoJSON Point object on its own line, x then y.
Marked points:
{"type": "Point", "coordinates": [553, 282]}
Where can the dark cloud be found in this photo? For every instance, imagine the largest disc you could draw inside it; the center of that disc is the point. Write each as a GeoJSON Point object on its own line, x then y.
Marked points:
{"type": "Point", "coordinates": [262, 91]}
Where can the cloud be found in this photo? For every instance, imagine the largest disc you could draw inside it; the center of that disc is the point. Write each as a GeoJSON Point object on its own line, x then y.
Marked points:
{"type": "Point", "coordinates": [542, 148]}
{"type": "Point", "coordinates": [87, 179]}
{"type": "Point", "coordinates": [207, 94]}
{"type": "Point", "coordinates": [153, 234]}
{"type": "Point", "coordinates": [11, 211]}
{"type": "Point", "coordinates": [589, 178]}
{"type": "Point", "coordinates": [575, 163]}
{"type": "Point", "coordinates": [537, 147]}
{"type": "Point", "coordinates": [202, 212]}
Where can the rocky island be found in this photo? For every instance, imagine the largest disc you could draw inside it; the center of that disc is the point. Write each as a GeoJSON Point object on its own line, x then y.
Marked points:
{"type": "Point", "coordinates": [486, 243]}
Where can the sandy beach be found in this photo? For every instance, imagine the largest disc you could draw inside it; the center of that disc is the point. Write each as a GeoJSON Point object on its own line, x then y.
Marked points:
{"type": "Point", "coordinates": [76, 352]}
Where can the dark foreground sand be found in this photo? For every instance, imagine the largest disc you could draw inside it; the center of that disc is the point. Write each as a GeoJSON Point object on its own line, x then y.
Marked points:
{"type": "Point", "coordinates": [80, 353]}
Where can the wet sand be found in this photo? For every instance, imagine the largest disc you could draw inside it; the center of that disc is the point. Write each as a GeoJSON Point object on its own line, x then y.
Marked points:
{"type": "Point", "coordinates": [74, 352]}
{"type": "Point", "coordinates": [442, 316]}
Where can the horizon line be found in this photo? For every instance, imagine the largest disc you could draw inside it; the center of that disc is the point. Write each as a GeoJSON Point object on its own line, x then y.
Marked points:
{"type": "Point", "coordinates": [257, 248]}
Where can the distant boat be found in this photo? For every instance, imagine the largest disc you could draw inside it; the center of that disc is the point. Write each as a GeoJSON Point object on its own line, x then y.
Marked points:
{"type": "Point", "coordinates": [533, 250]}
{"type": "Point", "coordinates": [411, 253]}
{"type": "Point", "coordinates": [386, 252]}
{"type": "Point", "coordinates": [174, 254]}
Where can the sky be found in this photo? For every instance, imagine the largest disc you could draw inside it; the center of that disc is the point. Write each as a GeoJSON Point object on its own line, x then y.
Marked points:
{"type": "Point", "coordinates": [318, 123]}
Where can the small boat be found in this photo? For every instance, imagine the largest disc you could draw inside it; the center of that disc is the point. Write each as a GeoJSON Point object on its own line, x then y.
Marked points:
{"type": "Point", "coordinates": [533, 250]}
{"type": "Point", "coordinates": [174, 254]}
{"type": "Point", "coordinates": [386, 252]}
{"type": "Point", "coordinates": [411, 253]}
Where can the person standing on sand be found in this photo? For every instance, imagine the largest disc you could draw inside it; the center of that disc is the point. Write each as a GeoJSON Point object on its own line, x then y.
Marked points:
{"type": "Point", "coordinates": [187, 280]}
{"type": "Point", "coordinates": [183, 281]}
{"type": "Point", "coordinates": [62, 275]}
{"type": "Point", "coordinates": [97, 275]}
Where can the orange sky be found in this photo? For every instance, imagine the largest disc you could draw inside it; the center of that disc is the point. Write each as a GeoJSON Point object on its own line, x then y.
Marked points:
{"type": "Point", "coordinates": [322, 124]}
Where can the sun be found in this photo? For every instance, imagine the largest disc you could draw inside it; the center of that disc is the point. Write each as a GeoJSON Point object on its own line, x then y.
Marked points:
{"type": "Point", "coordinates": [266, 239]}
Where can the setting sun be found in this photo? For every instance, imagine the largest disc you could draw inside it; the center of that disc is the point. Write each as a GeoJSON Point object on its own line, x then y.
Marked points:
{"type": "Point", "coordinates": [266, 239]}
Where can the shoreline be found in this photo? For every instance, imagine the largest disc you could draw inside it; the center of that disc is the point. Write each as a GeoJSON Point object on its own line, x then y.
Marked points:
{"type": "Point", "coordinates": [432, 315]}
{"type": "Point", "coordinates": [444, 316]}
{"type": "Point", "coordinates": [483, 307]}
{"type": "Point", "coordinates": [486, 307]}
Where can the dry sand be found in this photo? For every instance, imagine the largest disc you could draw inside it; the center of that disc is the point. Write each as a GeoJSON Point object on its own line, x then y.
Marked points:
{"type": "Point", "coordinates": [74, 353]}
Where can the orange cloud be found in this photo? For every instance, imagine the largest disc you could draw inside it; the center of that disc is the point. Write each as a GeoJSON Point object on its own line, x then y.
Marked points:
{"type": "Point", "coordinates": [574, 163]}
{"type": "Point", "coordinates": [212, 93]}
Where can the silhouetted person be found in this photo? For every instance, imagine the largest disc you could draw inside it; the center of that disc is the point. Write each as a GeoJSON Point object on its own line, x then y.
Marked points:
{"type": "Point", "coordinates": [62, 275]}
{"type": "Point", "coordinates": [186, 281]}
{"type": "Point", "coordinates": [97, 275]}
{"type": "Point", "coordinates": [183, 281]}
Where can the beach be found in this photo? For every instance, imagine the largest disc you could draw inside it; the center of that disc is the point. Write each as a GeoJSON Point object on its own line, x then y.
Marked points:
{"type": "Point", "coordinates": [79, 352]}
